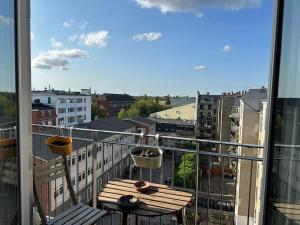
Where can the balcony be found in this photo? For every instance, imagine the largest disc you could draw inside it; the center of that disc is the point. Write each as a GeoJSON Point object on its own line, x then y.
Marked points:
{"type": "Point", "coordinates": [217, 181]}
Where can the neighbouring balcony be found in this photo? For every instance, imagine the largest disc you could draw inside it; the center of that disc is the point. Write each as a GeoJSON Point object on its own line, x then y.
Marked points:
{"type": "Point", "coordinates": [222, 184]}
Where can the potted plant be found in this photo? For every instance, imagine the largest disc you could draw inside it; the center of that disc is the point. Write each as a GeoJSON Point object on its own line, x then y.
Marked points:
{"type": "Point", "coordinates": [8, 148]}
{"type": "Point", "coordinates": [147, 157]}
{"type": "Point", "coordinates": [60, 145]}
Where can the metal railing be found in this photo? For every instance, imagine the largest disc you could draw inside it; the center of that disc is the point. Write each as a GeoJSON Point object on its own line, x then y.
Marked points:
{"type": "Point", "coordinates": [218, 179]}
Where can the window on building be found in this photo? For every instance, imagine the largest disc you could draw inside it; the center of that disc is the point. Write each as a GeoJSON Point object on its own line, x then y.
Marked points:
{"type": "Point", "coordinates": [61, 120]}
{"type": "Point", "coordinates": [72, 109]}
{"type": "Point", "coordinates": [61, 100]}
{"type": "Point", "coordinates": [79, 100]}
{"type": "Point", "coordinates": [73, 160]}
{"type": "Point", "coordinates": [62, 110]}
{"type": "Point", "coordinates": [79, 109]}
{"type": "Point", "coordinates": [71, 100]}
{"type": "Point", "coordinates": [71, 119]}
{"type": "Point", "coordinates": [49, 100]}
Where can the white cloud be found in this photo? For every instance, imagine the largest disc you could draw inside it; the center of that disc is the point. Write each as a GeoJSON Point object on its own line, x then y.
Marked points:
{"type": "Point", "coordinates": [83, 25]}
{"type": "Point", "coordinates": [95, 39]}
{"type": "Point", "coordinates": [200, 15]}
{"type": "Point", "coordinates": [57, 58]}
{"type": "Point", "coordinates": [151, 36]}
{"type": "Point", "coordinates": [56, 44]}
{"type": "Point", "coordinates": [196, 5]}
{"type": "Point", "coordinates": [73, 37]}
{"type": "Point", "coordinates": [67, 24]}
{"type": "Point", "coordinates": [32, 36]}
{"type": "Point", "coordinates": [227, 48]}
{"type": "Point", "coordinates": [200, 68]}
{"type": "Point", "coordinates": [6, 21]}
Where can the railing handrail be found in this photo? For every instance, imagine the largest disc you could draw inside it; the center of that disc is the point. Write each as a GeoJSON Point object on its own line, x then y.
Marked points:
{"type": "Point", "coordinates": [153, 136]}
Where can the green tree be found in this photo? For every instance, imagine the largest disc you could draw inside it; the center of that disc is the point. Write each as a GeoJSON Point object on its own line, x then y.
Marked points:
{"type": "Point", "coordinates": [96, 111]}
{"type": "Point", "coordinates": [186, 170]}
{"type": "Point", "coordinates": [122, 113]}
{"type": "Point", "coordinates": [142, 107]}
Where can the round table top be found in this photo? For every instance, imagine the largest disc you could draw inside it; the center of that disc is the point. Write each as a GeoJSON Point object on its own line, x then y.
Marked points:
{"type": "Point", "coordinates": [159, 199]}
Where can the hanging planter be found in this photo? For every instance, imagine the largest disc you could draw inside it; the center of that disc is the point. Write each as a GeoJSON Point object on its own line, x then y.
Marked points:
{"type": "Point", "coordinates": [60, 145]}
{"type": "Point", "coordinates": [147, 157]}
{"type": "Point", "coordinates": [8, 148]}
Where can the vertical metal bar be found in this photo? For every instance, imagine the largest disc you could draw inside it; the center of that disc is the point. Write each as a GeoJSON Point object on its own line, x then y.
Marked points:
{"type": "Point", "coordinates": [196, 184]}
{"type": "Point", "coordinates": [141, 176]}
{"type": "Point", "coordinates": [112, 160]}
{"type": "Point", "coordinates": [184, 182]}
{"type": "Point", "coordinates": [86, 173]}
{"type": "Point", "coordinates": [222, 187]}
{"type": "Point", "coordinates": [150, 174]}
{"type": "Point", "coordinates": [249, 197]}
{"type": "Point", "coordinates": [162, 171]}
{"type": "Point", "coordinates": [173, 167]}
{"type": "Point", "coordinates": [102, 164]}
{"type": "Point", "coordinates": [208, 189]}
{"type": "Point", "coordinates": [121, 161]}
{"type": "Point", "coordinates": [77, 174]}
{"type": "Point", "coordinates": [235, 186]}
{"type": "Point", "coordinates": [130, 172]}
{"type": "Point", "coordinates": [94, 175]}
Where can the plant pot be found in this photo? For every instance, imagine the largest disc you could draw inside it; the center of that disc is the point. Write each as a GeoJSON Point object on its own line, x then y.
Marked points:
{"type": "Point", "coordinates": [144, 161]}
{"type": "Point", "coordinates": [8, 148]}
{"type": "Point", "coordinates": [60, 145]}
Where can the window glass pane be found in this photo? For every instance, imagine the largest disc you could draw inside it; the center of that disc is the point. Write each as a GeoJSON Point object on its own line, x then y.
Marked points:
{"type": "Point", "coordinates": [8, 117]}
{"type": "Point", "coordinates": [285, 165]}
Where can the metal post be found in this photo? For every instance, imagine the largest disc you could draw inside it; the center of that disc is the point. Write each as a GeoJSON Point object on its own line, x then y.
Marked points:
{"type": "Point", "coordinates": [196, 184]}
{"type": "Point", "coordinates": [94, 175]}
{"type": "Point", "coordinates": [249, 197]}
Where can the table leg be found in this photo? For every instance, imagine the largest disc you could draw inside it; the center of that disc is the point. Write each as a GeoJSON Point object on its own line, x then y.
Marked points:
{"type": "Point", "coordinates": [124, 218]}
{"type": "Point", "coordinates": [181, 217]}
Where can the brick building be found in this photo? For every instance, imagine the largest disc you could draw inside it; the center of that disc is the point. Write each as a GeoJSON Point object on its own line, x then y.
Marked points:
{"type": "Point", "coordinates": [113, 103]}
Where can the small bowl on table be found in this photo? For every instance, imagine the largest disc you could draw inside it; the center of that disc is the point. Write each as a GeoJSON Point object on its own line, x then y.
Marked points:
{"type": "Point", "coordinates": [128, 202]}
{"type": "Point", "coordinates": [142, 186]}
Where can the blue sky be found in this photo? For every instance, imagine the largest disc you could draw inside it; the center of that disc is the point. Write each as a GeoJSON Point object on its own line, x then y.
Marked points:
{"type": "Point", "coordinates": [153, 47]}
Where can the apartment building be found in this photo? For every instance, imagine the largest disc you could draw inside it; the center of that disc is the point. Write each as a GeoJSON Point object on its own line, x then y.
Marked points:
{"type": "Point", "coordinates": [71, 107]}
{"type": "Point", "coordinates": [249, 120]}
{"type": "Point", "coordinates": [108, 157]}
{"type": "Point", "coordinates": [113, 103]}
{"type": "Point", "coordinates": [207, 115]}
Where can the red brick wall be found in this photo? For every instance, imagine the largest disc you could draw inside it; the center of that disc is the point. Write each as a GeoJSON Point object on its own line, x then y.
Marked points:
{"type": "Point", "coordinates": [40, 116]}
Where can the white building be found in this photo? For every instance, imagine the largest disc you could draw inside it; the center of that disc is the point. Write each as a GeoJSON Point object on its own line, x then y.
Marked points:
{"type": "Point", "coordinates": [71, 107]}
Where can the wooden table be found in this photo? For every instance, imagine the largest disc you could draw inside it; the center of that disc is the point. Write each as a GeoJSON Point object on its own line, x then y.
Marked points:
{"type": "Point", "coordinates": [159, 200]}
{"type": "Point", "coordinates": [290, 210]}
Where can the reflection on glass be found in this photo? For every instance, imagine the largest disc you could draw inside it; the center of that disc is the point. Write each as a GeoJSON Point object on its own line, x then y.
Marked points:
{"type": "Point", "coordinates": [8, 115]}
{"type": "Point", "coordinates": [285, 174]}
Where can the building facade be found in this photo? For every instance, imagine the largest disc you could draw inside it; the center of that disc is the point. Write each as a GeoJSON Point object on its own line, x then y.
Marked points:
{"type": "Point", "coordinates": [249, 116]}
{"type": "Point", "coordinates": [43, 115]}
{"type": "Point", "coordinates": [72, 108]}
{"type": "Point", "coordinates": [207, 116]}
{"type": "Point", "coordinates": [113, 103]}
